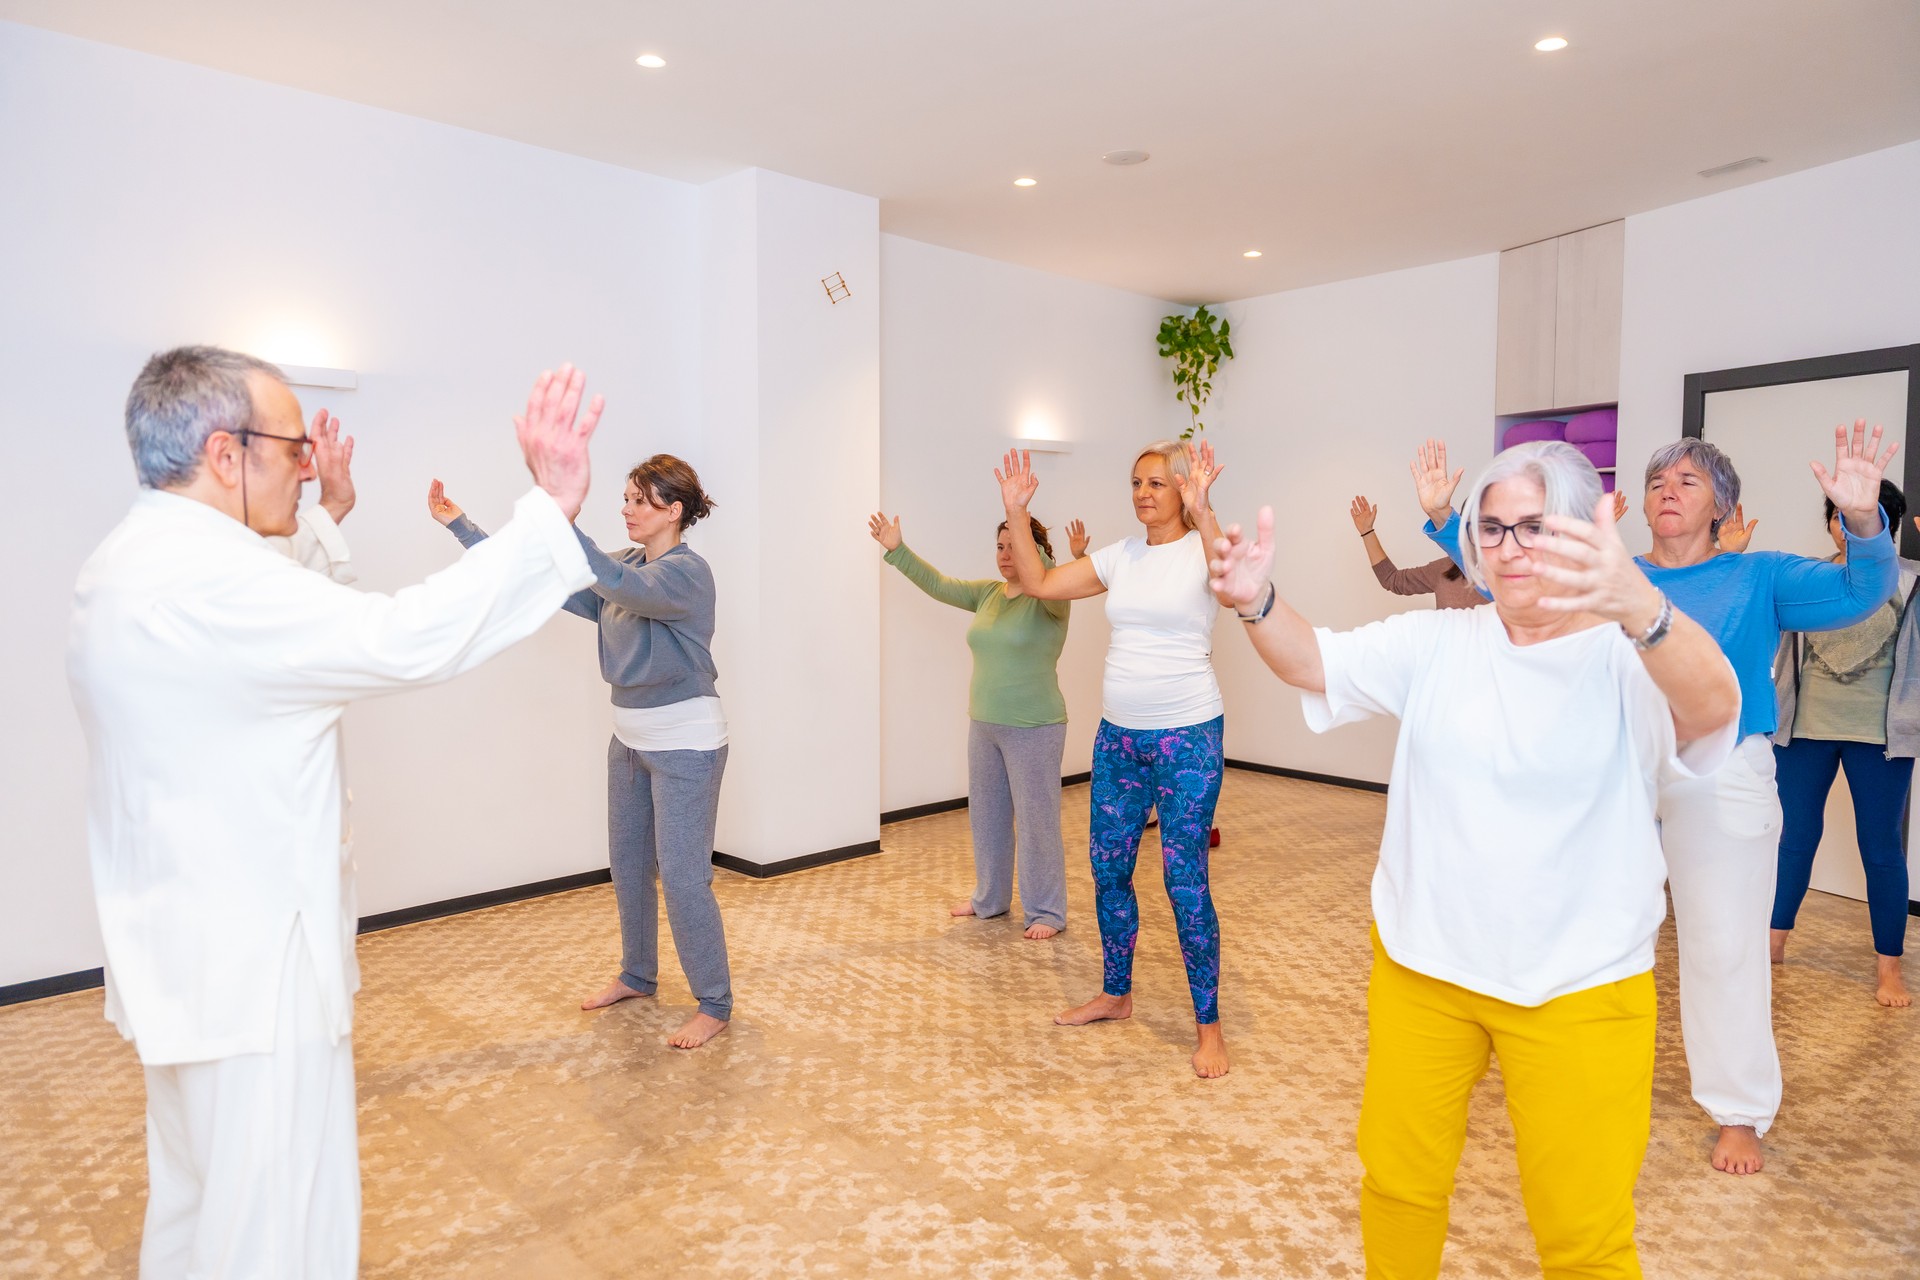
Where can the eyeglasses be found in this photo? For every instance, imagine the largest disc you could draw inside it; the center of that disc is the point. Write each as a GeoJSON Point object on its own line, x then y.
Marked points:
{"type": "Point", "coordinates": [305, 442]}
{"type": "Point", "coordinates": [1491, 533]}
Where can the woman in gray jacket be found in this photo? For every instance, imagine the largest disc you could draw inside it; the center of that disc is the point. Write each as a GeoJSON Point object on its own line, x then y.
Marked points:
{"type": "Point", "coordinates": [1851, 699]}
{"type": "Point", "coordinates": [654, 603]}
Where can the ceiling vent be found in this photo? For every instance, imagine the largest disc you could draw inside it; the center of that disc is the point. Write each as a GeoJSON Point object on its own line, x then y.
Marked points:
{"type": "Point", "coordinates": [1735, 167]}
{"type": "Point", "coordinates": [1125, 157]}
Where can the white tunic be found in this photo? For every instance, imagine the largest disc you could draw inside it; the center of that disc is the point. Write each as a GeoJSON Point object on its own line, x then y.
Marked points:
{"type": "Point", "coordinates": [1520, 857]}
{"type": "Point", "coordinates": [210, 674]}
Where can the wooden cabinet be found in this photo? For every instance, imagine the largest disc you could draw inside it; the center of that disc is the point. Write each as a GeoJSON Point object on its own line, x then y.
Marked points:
{"type": "Point", "coordinates": [1559, 327]}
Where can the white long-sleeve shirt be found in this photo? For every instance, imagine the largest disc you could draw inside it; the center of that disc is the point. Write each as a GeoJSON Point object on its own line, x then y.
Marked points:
{"type": "Point", "coordinates": [210, 673]}
{"type": "Point", "coordinates": [318, 544]}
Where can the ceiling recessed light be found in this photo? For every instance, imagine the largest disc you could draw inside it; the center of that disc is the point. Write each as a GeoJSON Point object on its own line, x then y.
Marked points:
{"type": "Point", "coordinates": [1552, 44]}
{"type": "Point", "coordinates": [1125, 157]}
{"type": "Point", "coordinates": [651, 61]}
{"type": "Point", "coordinates": [1251, 253]}
{"type": "Point", "coordinates": [1025, 182]}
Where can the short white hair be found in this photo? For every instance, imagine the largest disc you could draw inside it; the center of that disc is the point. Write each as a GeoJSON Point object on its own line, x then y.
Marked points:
{"type": "Point", "coordinates": [1565, 476]}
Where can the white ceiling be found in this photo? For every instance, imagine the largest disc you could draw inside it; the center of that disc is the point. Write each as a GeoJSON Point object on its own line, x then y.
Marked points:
{"type": "Point", "coordinates": [1340, 137]}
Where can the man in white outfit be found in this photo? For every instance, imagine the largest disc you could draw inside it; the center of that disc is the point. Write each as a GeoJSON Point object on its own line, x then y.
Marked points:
{"type": "Point", "coordinates": [210, 672]}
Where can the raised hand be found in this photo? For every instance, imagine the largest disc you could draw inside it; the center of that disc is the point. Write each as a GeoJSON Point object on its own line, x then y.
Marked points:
{"type": "Point", "coordinates": [1853, 486]}
{"type": "Point", "coordinates": [333, 463]}
{"type": "Point", "coordinates": [1591, 571]}
{"type": "Point", "coordinates": [1018, 484]}
{"type": "Point", "coordinates": [1735, 533]}
{"type": "Point", "coordinates": [1196, 486]}
{"type": "Point", "coordinates": [1431, 481]}
{"type": "Point", "coordinates": [1364, 513]}
{"type": "Point", "coordinates": [554, 434]}
{"type": "Point", "coordinates": [1619, 505]}
{"type": "Point", "coordinates": [884, 531]}
{"type": "Point", "coordinates": [440, 506]}
{"type": "Point", "coordinates": [1240, 569]}
{"type": "Point", "coordinates": [1077, 539]}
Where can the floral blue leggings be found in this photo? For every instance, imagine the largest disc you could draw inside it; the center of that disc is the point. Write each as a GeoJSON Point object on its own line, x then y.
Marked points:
{"type": "Point", "coordinates": [1176, 771]}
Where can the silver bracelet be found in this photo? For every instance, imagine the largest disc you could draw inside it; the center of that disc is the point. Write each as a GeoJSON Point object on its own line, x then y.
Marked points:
{"type": "Point", "coordinates": [1658, 631]}
{"type": "Point", "coordinates": [1266, 607]}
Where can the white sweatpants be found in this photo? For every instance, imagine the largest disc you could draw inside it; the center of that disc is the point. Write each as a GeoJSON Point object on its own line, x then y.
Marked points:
{"type": "Point", "coordinates": [253, 1162]}
{"type": "Point", "coordinates": [1722, 839]}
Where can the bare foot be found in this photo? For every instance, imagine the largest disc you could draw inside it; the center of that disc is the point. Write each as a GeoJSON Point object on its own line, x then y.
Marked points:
{"type": "Point", "coordinates": [1210, 1059]}
{"type": "Point", "coordinates": [961, 909]}
{"type": "Point", "coordinates": [1738, 1150]}
{"type": "Point", "coordinates": [616, 992]}
{"type": "Point", "coordinates": [1777, 944]}
{"type": "Point", "coordinates": [696, 1031]}
{"type": "Point", "coordinates": [1892, 989]}
{"type": "Point", "coordinates": [1040, 930]}
{"type": "Point", "coordinates": [1102, 1008]}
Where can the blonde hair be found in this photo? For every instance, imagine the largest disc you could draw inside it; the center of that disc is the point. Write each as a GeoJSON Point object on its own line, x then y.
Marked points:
{"type": "Point", "coordinates": [1174, 454]}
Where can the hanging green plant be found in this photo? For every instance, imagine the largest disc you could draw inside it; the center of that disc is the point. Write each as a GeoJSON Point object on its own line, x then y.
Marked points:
{"type": "Point", "coordinates": [1197, 345]}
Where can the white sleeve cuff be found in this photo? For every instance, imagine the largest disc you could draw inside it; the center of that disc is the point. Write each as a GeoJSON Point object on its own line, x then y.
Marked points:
{"type": "Point", "coordinates": [550, 524]}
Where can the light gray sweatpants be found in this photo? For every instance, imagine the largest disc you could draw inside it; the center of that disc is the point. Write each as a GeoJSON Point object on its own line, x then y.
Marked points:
{"type": "Point", "coordinates": [1014, 774]}
{"type": "Point", "coordinates": [661, 807]}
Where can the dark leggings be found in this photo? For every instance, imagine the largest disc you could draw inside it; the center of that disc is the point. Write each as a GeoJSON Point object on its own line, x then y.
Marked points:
{"type": "Point", "coordinates": [1177, 772]}
{"type": "Point", "coordinates": [1879, 786]}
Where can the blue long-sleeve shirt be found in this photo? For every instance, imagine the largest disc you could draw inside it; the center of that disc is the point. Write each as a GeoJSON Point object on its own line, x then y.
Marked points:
{"type": "Point", "coordinates": [1746, 600]}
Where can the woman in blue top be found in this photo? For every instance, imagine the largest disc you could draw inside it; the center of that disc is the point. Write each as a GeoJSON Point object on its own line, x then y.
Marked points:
{"type": "Point", "coordinates": [1721, 833]}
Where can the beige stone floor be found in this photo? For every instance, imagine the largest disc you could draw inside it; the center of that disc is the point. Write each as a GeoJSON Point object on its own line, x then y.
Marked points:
{"type": "Point", "coordinates": [892, 1099]}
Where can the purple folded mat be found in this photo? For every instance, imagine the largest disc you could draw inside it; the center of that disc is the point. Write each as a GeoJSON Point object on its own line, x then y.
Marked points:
{"type": "Point", "coordinates": [1601, 453]}
{"type": "Point", "coordinates": [1527, 432]}
{"type": "Point", "coordinates": [1594, 425]}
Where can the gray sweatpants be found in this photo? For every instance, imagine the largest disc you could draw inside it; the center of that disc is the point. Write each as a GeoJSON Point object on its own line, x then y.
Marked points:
{"type": "Point", "coordinates": [1015, 773]}
{"type": "Point", "coordinates": [661, 807]}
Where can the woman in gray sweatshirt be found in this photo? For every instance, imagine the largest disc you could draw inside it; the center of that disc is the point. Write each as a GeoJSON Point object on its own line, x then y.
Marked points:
{"type": "Point", "coordinates": [654, 603]}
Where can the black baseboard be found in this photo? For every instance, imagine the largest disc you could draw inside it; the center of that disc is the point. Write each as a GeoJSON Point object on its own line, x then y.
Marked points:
{"type": "Point", "coordinates": [479, 901]}
{"type": "Point", "coordinates": [805, 862]}
{"type": "Point", "coordinates": [1330, 779]}
{"type": "Point", "coordinates": [60, 985]}
{"type": "Point", "coordinates": [948, 806]}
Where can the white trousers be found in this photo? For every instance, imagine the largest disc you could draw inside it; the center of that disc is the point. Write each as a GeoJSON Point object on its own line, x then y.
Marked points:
{"type": "Point", "coordinates": [1722, 839]}
{"type": "Point", "coordinates": [253, 1161]}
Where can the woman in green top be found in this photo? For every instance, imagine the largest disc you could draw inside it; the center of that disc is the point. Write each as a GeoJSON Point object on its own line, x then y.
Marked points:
{"type": "Point", "coordinates": [1018, 732]}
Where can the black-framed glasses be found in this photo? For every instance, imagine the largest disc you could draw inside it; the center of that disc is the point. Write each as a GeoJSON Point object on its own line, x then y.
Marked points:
{"type": "Point", "coordinates": [305, 443]}
{"type": "Point", "coordinates": [1490, 533]}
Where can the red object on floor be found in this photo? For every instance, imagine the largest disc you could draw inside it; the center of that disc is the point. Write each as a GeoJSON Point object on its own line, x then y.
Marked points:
{"type": "Point", "coordinates": [1213, 838]}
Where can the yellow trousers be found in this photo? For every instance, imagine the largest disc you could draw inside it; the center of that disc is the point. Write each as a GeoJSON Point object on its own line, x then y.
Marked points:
{"type": "Point", "coordinates": [1579, 1076]}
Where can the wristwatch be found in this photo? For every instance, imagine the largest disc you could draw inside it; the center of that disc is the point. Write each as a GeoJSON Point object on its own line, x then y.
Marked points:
{"type": "Point", "coordinates": [1266, 607]}
{"type": "Point", "coordinates": [1654, 634]}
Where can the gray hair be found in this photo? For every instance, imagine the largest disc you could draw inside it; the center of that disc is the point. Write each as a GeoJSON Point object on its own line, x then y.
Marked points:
{"type": "Point", "coordinates": [1174, 454]}
{"type": "Point", "coordinates": [1715, 465]}
{"type": "Point", "coordinates": [1568, 479]}
{"type": "Point", "coordinates": [181, 397]}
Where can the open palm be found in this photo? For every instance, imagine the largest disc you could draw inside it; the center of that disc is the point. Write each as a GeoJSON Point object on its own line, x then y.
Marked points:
{"type": "Point", "coordinates": [1853, 486]}
{"type": "Point", "coordinates": [884, 531]}
{"type": "Point", "coordinates": [1432, 482]}
{"type": "Point", "coordinates": [1018, 483]}
{"type": "Point", "coordinates": [1241, 567]}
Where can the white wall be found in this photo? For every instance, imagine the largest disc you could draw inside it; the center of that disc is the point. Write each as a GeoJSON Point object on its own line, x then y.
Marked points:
{"type": "Point", "coordinates": [1331, 390]}
{"type": "Point", "coordinates": [792, 381]}
{"type": "Point", "coordinates": [145, 203]}
{"type": "Point", "coordinates": [1816, 263]}
{"type": "Point", "coordinates": [972, 353]}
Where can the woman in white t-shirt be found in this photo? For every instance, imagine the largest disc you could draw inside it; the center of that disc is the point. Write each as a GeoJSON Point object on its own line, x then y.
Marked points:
{"type": "Point", "coordinates": [1159, 745]}
{"type": "Point", "coordinates": [1518, 891]}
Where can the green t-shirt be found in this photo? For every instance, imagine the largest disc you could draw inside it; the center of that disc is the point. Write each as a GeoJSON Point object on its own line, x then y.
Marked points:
{"type": "Point", "coordinates": [1016, 644]}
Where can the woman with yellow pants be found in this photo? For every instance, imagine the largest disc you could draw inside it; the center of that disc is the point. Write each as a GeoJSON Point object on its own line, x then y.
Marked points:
{"type": "Point", "coordinates": [1518, 891]}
